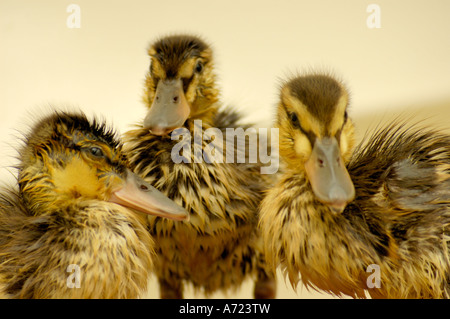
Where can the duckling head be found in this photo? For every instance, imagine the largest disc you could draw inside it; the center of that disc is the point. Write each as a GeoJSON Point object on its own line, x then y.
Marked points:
{"type": "Point", "coordinates": [316, 136]}
{"type": "Point", "coordinates": [68, 159]}
{"type": "Point", "coordinates": [180, 83]}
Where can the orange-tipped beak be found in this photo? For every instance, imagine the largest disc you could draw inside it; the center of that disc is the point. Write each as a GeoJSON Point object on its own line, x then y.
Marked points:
{"type": "Point", "coordinates": [137, 194]}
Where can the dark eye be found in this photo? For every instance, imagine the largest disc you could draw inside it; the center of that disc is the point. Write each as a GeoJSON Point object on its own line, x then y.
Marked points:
{"type": "Point", "coordinates": [199, 67]}
{"type": "Point", "coordinates": [96, 151]}
{"type": "Point", "coordinates": [294, 120]}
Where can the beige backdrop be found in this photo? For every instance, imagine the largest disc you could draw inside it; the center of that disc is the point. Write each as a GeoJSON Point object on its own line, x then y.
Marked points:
{"type": "Point", "coordinates": [401, 68]}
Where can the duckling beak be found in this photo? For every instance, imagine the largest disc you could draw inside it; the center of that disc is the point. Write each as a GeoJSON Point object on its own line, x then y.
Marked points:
{"type": "Point", "coordinates": [329, 178]}
{"type": "Point", "coordinates": [169, 109]}
{"type": "Point", "coordinates": [137, 194]}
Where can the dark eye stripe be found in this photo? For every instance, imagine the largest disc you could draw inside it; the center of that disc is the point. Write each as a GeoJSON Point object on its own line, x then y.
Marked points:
{"type": "Point", "coordinates": [186, 83]}
{"type": "Point", "coordinates": [293, 118]}
{"type": "Point", "coordinates": [97, 154]}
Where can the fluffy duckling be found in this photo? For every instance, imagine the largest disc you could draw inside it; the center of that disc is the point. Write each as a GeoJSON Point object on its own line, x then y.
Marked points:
{"type": "Point", "coordinates": [372, 220]}
{"type": "Point", "coordinates": [68, 231]}
{"type": "Point", "coordinates": [219, 247]}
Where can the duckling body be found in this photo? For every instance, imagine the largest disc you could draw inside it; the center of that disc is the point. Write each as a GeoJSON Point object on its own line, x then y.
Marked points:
{"type": "Point", "coordinates": [219, 247]}
{"type": "Point", "coordinates": [37, 259]}
{"type": "Point", "coordinates": [392, 239]}
{"type": "Point", "coordinates": [62, 232]}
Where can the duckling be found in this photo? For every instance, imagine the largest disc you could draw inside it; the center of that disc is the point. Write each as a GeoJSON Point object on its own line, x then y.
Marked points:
{"type": "Point", "coordinates": [75, 227]}
{"type": "Point", "coordinates": [367, 221]}
{"type": "Point", "coordinates": [219, 247]}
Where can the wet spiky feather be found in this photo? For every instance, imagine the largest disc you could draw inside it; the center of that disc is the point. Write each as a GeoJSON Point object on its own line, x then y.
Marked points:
{"type": "Point", "coordinates": [217, 248]}
{"type": "Point", "coordinates": [44, 232]}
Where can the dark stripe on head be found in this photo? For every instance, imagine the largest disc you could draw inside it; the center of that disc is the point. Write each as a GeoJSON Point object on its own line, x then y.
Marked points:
{"type": "Point", "coordinates": [172, 51]}
{"type": "Point", "coordinates": [319, 94]}
{"type": "Point", "coordinates": [186, 82]}
{"type": "Point", "coordinates": [295, 122]}
{"type": "Point", "coordinates": [92, 129]}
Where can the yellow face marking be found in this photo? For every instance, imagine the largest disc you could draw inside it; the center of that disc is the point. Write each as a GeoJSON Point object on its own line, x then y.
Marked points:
{"type": "Point", "coordinates": [77, 178]}
{"type": "Point", "coordinates": [343, 143]}
{"type": "Point", "coordinates": [338, 116]}
{"type": "Point", "coordinates": [158, 70]}
{"type": "Point", "coordinates": [151, 51]}
{"type": "Point", "coordinates": [186, 69]}
{"type": "Point", "coordinates": [307, 121]}
{"type": "Point", "coordinates": [302, 146]}
{"type": "Point", "coordinates": [347, 140]}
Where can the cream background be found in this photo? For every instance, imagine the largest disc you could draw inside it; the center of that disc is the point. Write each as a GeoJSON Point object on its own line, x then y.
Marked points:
{"type": "Point", "coordinates": [403, 67]}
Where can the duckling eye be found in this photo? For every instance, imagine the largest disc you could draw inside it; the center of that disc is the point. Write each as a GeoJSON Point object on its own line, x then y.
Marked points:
{"type": "Point", "coordinates": [294, 120]}
{"type": "Point", "coordinates": [96, 151]}
{"type": "Point", "coordinates": [199, 67]}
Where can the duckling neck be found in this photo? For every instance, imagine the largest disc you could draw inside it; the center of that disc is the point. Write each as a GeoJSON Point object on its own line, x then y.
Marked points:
{"type": "Point", "coordinates": [46, 201]}
{"type": "Point", "coordinates": [329, 250]}
{"type": "Point", "coordinates": [205, 108]}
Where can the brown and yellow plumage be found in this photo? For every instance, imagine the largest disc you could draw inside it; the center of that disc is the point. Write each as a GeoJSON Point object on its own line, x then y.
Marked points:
{"type": "Point", "coordinates": [398, 221]}
{"type": "Point", "coordinates": [219, 246]}
{"type": "Point", "coordinates": [64, 216]}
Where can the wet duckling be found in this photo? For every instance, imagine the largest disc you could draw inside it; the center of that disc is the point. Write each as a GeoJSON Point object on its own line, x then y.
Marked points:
{"type": "Point", "coordinates": [375, 219]}
{"type": "Point", "coordinates": [219, 247]}
{"type": "Point", "coordinates": [75, 227]}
